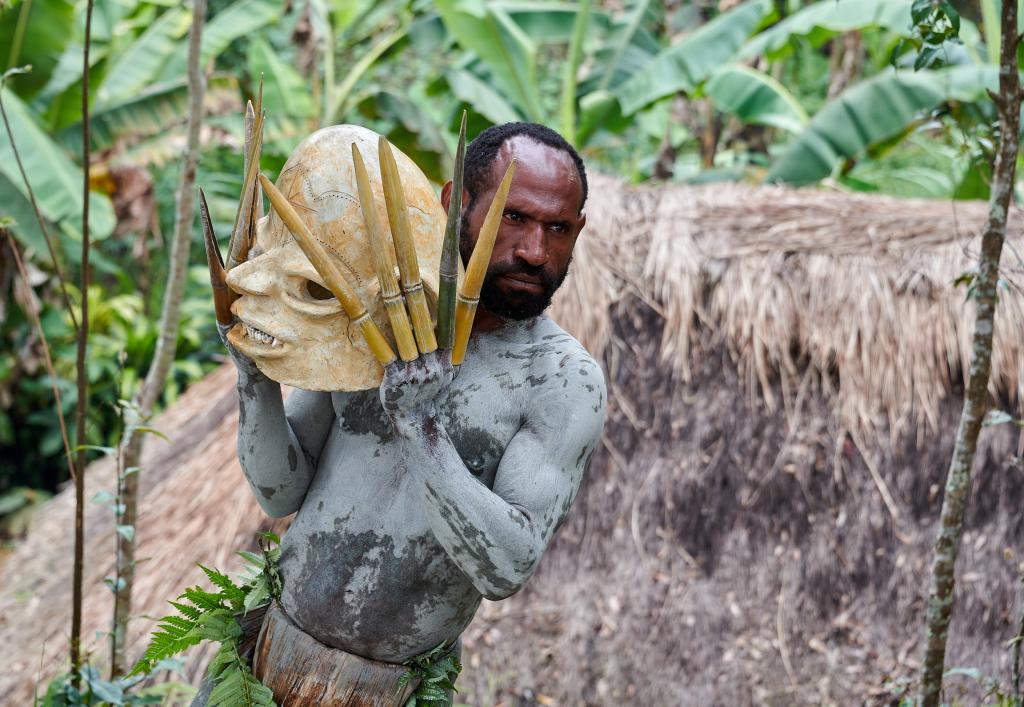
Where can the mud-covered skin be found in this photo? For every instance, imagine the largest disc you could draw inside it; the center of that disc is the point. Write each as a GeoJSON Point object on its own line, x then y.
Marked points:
{"type": "Point", "coordinates": [408, 516]}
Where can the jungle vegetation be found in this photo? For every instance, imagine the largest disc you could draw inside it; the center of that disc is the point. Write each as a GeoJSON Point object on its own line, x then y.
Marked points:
{"type": "Point", "coordinates": [886, 96]}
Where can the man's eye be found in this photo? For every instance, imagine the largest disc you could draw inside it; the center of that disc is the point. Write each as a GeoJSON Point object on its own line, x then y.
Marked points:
{"type": "Point", "coordinates": [513, 216]}
{"type": "Point", "coordinates": [318, 291]}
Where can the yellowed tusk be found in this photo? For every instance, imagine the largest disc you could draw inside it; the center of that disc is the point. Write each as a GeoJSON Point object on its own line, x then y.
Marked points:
{"type": "Point", "coordinates": [405, 249]}
{"type": "Point", "coordinates": [392, 296]}
{"type": "Point", "coordinates": [469, 295]}
{"type": "Point", "coordinates": [333, 278]}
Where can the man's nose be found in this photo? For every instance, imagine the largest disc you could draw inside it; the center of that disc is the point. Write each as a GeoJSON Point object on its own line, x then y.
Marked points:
{"type": "Point", "coordinates": [532, 246]}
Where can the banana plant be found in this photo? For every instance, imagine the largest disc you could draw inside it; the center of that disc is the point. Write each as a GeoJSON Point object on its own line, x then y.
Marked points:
{"type": "Point", "coordinates": [871, 112]}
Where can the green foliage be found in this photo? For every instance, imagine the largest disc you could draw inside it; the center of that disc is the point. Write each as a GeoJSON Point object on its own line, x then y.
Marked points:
{"type": "Point", "coordinates": [687, 64]}
{"type": "Point", "coordinates": [94, 691]}
{"type": "Point", "coordinates": [871, 112]}
{"type": "Point", "coordinates": [435, 673]}
{"type": "Point", "coordinates": [755, 98]}
{"type": "Point", "coordinates": [204, 615]}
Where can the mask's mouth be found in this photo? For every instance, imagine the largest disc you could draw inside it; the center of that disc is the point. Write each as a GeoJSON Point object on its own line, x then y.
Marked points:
{"type": "Point", "coordinates": [254, 341]}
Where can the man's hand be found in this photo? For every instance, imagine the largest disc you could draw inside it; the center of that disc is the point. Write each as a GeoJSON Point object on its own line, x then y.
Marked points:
{"type": "Point", "coordinates": [411, 390]}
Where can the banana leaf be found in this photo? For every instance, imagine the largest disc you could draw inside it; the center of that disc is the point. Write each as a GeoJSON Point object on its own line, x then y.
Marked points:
{"type": "Point", "coordinates": [755, 97]}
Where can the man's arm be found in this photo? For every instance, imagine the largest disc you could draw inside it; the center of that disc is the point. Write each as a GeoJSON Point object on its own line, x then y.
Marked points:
{"type": "Point", "coordinates": [278, 445]}
{"type": "Point", "coordinates": [498, 536]}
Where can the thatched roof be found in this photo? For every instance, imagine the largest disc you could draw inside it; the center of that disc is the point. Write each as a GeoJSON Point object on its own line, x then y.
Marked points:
{"type": "Point", "coordinates": [785, 369]}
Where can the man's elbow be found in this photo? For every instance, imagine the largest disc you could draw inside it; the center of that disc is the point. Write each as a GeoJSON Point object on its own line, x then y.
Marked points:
{"type": "Point", "coordinates": [497, 583]}
{"type": "Point", "coordinates": [276, 502]}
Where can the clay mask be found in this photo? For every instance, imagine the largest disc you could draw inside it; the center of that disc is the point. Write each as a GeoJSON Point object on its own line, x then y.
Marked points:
{"type": "Point", "coordinates": [290, 324]}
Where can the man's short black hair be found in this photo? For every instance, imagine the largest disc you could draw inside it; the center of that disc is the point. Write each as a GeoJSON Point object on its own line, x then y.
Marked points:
{"type": "Point", "coordinates": [480, 154]}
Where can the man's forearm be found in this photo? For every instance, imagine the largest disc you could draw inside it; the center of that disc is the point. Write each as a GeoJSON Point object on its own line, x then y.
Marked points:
{"type": "Point", "coordinates": [495, 543]}
{"type": "Point", "coordinates": [268, 450]}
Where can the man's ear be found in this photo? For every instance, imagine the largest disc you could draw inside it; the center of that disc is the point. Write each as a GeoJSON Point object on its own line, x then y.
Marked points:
{"type": "Point", "coordinates": [581, 221]}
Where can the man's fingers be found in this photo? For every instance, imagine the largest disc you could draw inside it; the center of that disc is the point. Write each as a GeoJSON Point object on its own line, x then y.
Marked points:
{"type": "Point", "coordinates": [469, 295]}
{"type": "Point", "coordinates": [245, 218]}
{"type": "Point", "coordinates": [383, 263]}
{"type": "Point", "coordinates": [222, 294]}
{"type": "Point", "coordinates": [405, 248]}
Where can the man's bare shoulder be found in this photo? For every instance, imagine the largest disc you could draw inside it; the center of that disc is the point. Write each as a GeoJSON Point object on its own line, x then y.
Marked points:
{"type": "Point", "coordinates": [560, 368]}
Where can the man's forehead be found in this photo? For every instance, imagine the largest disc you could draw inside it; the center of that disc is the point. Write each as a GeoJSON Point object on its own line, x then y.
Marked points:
{"type": "Point", "coordinates": [540, 165]}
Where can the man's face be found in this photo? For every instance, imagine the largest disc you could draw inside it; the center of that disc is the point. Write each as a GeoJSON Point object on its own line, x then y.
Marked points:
{"type": "Point", "coordinates": [538, 229]}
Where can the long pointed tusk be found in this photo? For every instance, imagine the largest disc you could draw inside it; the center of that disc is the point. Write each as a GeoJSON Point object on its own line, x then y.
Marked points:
{"type": "Point", "coordinates": [333, 278]}
{"type": "Point", "coordinates": [389, 291]}
{"type": "Point", "coordinates": [465, 308]}
{"type": "Point", "coordinates": [242, 237]}
{"type": "Point", "coordinates": [449, 271]}
{"type": "Point", "coordinates": [405, 249]}
{"type": "Point", "coordinates": [222, 295]}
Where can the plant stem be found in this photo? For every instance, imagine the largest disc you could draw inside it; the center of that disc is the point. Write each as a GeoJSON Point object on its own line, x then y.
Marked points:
{"type": "Point", "coordinates": [1015, 660]}
{"type": "Point", "coordinates": [83, 383]}
{"type": "Point", "coordinates": [567, 107]}
{"type": "Point", "coordinates": [940, 600]}
{"type": "Point", "coordinates": [145, 399]}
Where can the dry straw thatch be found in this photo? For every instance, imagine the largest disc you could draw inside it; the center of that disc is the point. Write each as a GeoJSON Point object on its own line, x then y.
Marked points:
{"type": "Point", "coordinates": [785, 371]}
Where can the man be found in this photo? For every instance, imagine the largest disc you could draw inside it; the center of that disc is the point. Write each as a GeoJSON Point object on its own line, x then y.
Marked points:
{"type": "Point", "coordinates": [416, 500]}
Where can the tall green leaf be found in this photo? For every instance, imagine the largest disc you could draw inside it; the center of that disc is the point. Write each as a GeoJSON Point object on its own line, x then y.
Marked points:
{"type": "Point", "coordinates": [623, 41]}
{"type": "Point", "coordinates": [873, 111]}
{"type": "Point", "coordinates": [501, 44]}
{"type": "Point", "coordinates": [567, 102]}
{"type": "Point", "coordinates": [411, 130]}
{"type": "Point", "coordinates": [755, 97]}
{"type": "Point", "coordinates": [284, 91]}
{"type": "Point", "coordinates": [34, 33]}
{"type": "Point", "coordinates": [481, 97]}
{"type": "Point", "coordinates": [821, 20]}
{"type": "Point", "coordinates": [56, 180]}
{"type": "Point", "coordinates": [683, 66]}
{"type": "Point", "coordinates": [134, 69]}
{"type": "Point", "coordinates": [239, 19]}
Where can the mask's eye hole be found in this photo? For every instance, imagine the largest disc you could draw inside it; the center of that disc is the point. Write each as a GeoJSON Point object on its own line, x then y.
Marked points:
{"type": "Point", "coordinates": [318, 291]}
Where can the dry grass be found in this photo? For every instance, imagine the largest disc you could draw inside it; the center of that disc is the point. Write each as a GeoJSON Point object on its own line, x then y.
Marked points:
{"type": "Point", "coordinates": [733, 542]}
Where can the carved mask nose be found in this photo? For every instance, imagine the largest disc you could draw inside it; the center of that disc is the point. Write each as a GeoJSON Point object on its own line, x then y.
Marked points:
{"type": "Point", "coordinates": [256, 276]}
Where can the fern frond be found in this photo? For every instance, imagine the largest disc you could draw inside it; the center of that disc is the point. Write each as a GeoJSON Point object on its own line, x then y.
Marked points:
{"type": "Point", "coordinates": [186, 610]}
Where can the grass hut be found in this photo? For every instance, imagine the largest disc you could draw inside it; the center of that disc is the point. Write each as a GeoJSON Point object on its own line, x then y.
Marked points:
{"type": "Point", "coordinates": [785, 373]}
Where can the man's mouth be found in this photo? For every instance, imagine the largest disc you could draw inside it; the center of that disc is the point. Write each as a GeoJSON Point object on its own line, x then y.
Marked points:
{"type": "Point", "coordinates": [525, 282]}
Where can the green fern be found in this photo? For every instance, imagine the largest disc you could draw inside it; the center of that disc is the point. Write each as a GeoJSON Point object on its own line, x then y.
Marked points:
{"type": "Point", "coordinates": [436, 671]}
{"type": "Point", "coordinates": [210, 616]}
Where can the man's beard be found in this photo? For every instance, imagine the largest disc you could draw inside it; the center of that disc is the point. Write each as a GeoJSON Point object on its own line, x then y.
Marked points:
{"type": "Point", "coordinates": [515, 305]}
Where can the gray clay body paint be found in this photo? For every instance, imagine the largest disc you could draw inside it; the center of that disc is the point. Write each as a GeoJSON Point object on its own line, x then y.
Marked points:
{"type": "Point", "coordinates": [402, 529]}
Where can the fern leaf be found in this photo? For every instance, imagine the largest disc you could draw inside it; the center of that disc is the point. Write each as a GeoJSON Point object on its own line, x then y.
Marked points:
{"type": "Point", "coordinates": [186, 610]}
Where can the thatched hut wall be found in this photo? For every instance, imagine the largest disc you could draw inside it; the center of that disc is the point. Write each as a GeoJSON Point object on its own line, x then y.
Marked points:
{"type": "Point", "coordinates": [785, 371]}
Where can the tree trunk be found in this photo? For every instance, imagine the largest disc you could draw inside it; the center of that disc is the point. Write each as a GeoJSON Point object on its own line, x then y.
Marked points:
{"type": "Point", "coordinates": [163, 357]}
{"type": "Point", "coordinates": [940, 600]}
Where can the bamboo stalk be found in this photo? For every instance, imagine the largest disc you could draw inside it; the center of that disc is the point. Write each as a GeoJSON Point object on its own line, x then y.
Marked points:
{"type": "Point", "coordinates": [222, 294]}
{"type": "Point", "coordinates": [333, 278]}
{"type": "Point", "coordinates": [448, 273]}
{"type": "Point", "coordinates": [469, 295]}
{"type": "Point", "coordinates": [241, 235]}
{"type": "Point", "coordinates": [389, 291]}
{"type": "Point", "coordinates": [405, 249]}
